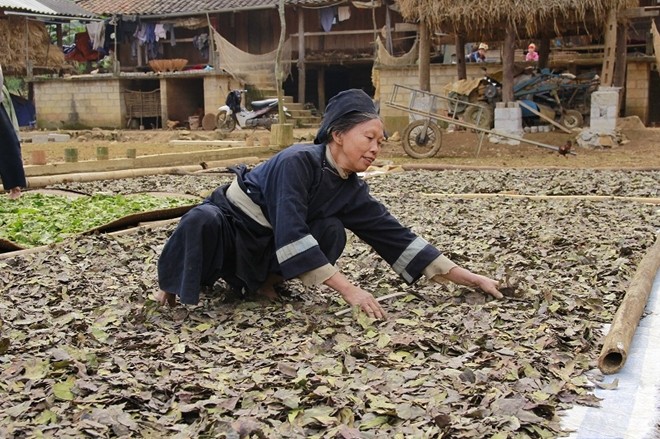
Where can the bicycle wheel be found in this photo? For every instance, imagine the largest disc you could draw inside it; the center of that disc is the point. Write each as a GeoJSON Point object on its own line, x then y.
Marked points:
{"type": "Point", "coordinates": [421, 143]}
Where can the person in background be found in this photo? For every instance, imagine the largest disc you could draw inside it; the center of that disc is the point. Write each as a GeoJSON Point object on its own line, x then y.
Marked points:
{"type": "Point", "coordinates": [286, 219]}
{"type": "Point", "coordinates": [532, 54]}
{"type": "Point", "coordinates": [478, 55]}
{"type": "Point", "coordinates": [11, 163]}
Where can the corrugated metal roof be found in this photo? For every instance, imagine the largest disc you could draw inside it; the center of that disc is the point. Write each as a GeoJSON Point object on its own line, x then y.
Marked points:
{"type": "Point", "coordinates": [27, 6]}
{"type": "Point", "coordinates": [192, 7]}
{"type": "Point", "coordinates": [66, 7]}
{"type": "Point", "coordinates": [46, 7]}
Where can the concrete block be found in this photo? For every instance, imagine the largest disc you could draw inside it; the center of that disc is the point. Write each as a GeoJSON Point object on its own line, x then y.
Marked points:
{"type": "Point", "coordinates": [499, 105]}
{"type": "Point", "coordinates": [40, 138]}
{"type": "Point", "coordinates": [59, 137]}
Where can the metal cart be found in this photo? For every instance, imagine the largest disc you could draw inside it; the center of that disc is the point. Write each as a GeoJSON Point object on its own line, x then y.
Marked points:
{"type": "Point", "coordinates": [422, 138]}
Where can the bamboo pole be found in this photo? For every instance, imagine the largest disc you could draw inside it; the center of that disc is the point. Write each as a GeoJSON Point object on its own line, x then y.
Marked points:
{"type": "Point", "coordinates": [614, 353]}
{"type": "Point", "coordinates": [441, 167]}
{"type": "Point", "coordinates": [42, 181]}
{"type": "Point", "coordinates": [473, 196]}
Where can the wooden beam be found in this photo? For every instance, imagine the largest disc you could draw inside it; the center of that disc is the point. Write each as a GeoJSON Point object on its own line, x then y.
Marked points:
{"type": "Point", "coordinates": [543, 116]}
{"type": "Point", "coordinates": [641, 12]}
{"type": "Point", "coordinates": [424, 57]}
{"type": "Point", "coordinates": [508, 59]}
{"type": "Point", "coordinates": [302, 79]}
{"type": "Point", "coordinates": [461, 69]}
{"type": "Point", "coordinates": [607, 73]}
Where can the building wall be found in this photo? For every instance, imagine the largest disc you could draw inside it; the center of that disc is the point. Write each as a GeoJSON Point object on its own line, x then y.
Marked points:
{"type": "Point", "coordinates": [637, 90]}
{"type": "Point", "coordinates": [89, 102]}
{"type": "Point", "coordinates": [78, 103]}
{"type": "Point", "coordinates": [636, 99]}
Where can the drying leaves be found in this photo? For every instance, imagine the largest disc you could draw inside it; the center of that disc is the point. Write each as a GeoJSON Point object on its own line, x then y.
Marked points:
{"type": "Point", "coordinates": [85, 351]}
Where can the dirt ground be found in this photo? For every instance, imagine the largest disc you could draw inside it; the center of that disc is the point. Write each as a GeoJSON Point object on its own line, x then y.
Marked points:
{"type": "Point", "coordinates": [640, 148]}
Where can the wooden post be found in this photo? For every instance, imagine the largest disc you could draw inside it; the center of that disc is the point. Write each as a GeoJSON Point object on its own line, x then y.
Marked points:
{"type": "Point", "coordinates": [320, 84]}
{"type": "Point", "coordinates": [301, 55]}
{"type": "Point", "coordinates": [388, 29]}
{"type": "Point", "coordinates": [424, 57]}
{"type": "Point", "coordinates": [508, 53]}
{"type": "Point", "coordinates": [621, 55]}
{"type": "Point", "coordinates": [609, 57]}
{"type": "Point", "coordinates": [461, 69]}
{"type": "Point", "coordinates": [544, 52]}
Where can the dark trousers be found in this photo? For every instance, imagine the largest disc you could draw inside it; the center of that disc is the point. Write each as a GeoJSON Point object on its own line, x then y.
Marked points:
{"type": "Point", "coordinates": [207, 244]}
{"type": "Point", "coordinates": [11, 163]}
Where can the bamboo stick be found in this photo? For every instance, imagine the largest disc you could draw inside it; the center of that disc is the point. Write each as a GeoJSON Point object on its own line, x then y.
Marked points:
{"type": "Point", "coordinates": [614, 353]}
{"type": "Point", "coordinates": [472, 196]}
{"type": "Point", "coordinates": [46, 180]}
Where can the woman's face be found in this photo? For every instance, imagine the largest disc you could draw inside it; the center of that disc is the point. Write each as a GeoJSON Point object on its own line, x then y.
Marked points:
{"type": "Point", "coordinates": [356, 149]}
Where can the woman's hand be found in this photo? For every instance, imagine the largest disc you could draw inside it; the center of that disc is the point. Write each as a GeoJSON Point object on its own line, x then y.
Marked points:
{"type": "Point", "coordinates": [356, 296]}
{"type": "Point", "coordinates": [366, 301]}
{"type": "Point", "coordinates": [462, 276]}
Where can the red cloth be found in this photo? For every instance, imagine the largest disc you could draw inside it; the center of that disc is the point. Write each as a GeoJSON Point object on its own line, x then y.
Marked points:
{"type": "Point", "coordinates": [83, 51]}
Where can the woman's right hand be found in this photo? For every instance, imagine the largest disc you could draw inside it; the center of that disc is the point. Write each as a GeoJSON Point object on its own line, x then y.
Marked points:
{"type": "Point", "coordinates": [356, 296]}
{"type": "Point", "coordinates": [366, 301]}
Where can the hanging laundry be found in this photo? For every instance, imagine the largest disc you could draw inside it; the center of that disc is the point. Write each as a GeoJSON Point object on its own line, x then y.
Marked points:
{"type": "Point", "coordinates": [96, 31]}
{"type": "Point", "coordinates": [328, 17]}
{"type": "Point", "coordinates": [160, 31]}
{"type": "Point", "coordinates": [343, 13]}
{"type": "Point", "coordinates": [201, 42]}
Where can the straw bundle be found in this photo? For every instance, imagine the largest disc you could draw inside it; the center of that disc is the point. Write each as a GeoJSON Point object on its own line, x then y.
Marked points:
{"type": "Point", "coordinates": [24, 40]}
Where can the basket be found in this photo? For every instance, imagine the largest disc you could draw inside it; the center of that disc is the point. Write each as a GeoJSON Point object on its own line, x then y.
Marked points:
{"type": "Point", "coordinates": [167, 65]}
{"type": "Point", "coordinates": [140, 104]}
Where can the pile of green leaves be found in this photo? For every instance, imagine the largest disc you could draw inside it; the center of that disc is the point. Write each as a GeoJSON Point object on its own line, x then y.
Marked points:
{"type": "Point", "coordinates": [41, 219]}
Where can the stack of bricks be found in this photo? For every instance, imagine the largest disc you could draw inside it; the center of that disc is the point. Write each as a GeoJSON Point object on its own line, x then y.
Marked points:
{"type": "Point", "coordinates": [508, 119]}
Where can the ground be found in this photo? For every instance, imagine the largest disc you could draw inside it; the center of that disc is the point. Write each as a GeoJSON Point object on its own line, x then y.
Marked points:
{"type": "Point", "coordinates": [640, 148]}
{"type": "Point", "coordinates": [85, 351]}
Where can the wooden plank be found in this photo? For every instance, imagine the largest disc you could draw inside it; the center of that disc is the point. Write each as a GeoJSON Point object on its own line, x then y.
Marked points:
{"type": "Point", "coordinates": [607, 73]}
{"type": "Point", "coordinates": [641, 12]}
{"type": "Point", "coordinates": [543, 116]}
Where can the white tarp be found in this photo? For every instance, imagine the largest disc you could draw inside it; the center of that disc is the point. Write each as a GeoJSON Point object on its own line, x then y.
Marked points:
{"type": "Point", "coordinates": [631, 410]}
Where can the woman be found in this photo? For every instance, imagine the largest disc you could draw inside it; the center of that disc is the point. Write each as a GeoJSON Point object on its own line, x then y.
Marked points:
{"type": "Point", "coordinates": [287, 217]}
{"type": "Point", "coordinates": [11, 164]}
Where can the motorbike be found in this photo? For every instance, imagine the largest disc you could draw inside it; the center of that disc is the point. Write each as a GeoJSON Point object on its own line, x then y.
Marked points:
{"type": "Point", "coordinates": [233, 114]}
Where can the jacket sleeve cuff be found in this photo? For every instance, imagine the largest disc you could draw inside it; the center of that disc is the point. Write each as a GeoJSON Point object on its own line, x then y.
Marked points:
{"type": "Point", "coordinates": [439, 266]}
{"type": "Point", "coordinates": [318, 275]}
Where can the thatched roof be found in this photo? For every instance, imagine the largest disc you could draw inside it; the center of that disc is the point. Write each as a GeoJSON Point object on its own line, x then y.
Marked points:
{"type": "Point", "coordinates": [479, 19]}
{"type": "Point", "coordinates": [25, 39]}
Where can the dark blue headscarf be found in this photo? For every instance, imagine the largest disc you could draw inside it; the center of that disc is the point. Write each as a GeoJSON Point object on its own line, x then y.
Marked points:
{"type": "Point", "coordinates": [340, 105]}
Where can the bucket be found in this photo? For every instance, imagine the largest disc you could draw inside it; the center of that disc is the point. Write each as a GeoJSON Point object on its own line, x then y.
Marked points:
{"type": "Point", "coordinates": [193, 121]}
{"type": "Point", "coordinates": [101, 153]}
{"type": "Point", "coordinates": [38, 157]}
{"type": "Point", "coordinates": [70, 155]}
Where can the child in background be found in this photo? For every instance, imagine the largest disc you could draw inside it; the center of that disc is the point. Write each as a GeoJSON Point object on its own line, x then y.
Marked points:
{"type": "Point", "coordinates": [532, 54]}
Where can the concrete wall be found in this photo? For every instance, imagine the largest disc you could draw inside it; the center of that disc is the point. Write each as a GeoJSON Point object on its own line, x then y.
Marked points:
{"type": "Point", "coordinates": [97, 101]}
{"type": "Point", "coordinates": [637, 90]}
{"type": "Point", "coordinates": [69, 103]}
